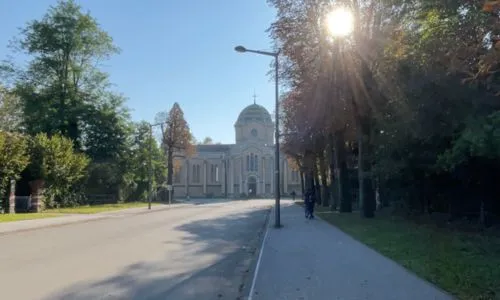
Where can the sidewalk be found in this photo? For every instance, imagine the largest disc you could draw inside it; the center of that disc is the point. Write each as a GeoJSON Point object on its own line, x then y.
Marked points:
{"type": "Point", "coordinates": [312, 260]}
{"type": "Point", "coordinates": [9, 227]}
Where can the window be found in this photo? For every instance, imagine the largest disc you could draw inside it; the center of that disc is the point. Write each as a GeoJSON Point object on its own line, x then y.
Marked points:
{"type": "Point", "coordinates": [177, 175]}
{"type": "Point", "coordinates": [214, 173]}
{"type": "Point", "coordinates": [196, 174]}
{"type": "Point", "coordinates": [252, 162]}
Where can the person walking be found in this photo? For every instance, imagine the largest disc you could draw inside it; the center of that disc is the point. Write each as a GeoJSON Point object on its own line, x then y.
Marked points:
{"type": "Point", "coordinates": [309, 204]}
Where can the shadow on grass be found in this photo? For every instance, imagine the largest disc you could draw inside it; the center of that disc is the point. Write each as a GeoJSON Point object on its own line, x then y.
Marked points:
{"type": "Point", "coordinates": [213, 262]}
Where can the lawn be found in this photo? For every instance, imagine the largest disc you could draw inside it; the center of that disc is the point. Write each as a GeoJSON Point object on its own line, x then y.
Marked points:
{"type": "Point", "coordinates": [86, 209]}
{"type": "Point", "coordinates": [22, 217]}
{"type": "Point", "coordinates": [464, 264]}
{"type": "Point", "coordinates": [93, 209]}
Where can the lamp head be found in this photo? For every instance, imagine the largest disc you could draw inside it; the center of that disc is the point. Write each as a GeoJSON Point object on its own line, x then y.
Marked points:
{"type": "Point", "coordinates": [240, 49]}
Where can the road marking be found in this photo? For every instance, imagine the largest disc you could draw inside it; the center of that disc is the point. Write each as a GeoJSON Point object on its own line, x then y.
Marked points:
{"type": "Point", "coordinates": [252, 288]}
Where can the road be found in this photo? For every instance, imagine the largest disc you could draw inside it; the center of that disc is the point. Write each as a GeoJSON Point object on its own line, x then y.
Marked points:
{"type": "Point", "coordinates": [201, 251]}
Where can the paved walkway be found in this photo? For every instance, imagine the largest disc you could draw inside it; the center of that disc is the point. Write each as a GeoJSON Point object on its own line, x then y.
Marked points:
{"type": "Point", "coordinates": [9, 227]}
{"type": "Point", "coordinates": [312, 260]}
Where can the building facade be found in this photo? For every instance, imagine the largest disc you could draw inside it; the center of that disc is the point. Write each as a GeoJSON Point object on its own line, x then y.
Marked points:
{"type": "Point", "coordinates": [243, 169]}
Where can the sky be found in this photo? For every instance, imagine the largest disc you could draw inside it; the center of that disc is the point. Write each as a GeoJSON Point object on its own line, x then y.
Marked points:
{"type": "Point", "coordinates": [177, 51]}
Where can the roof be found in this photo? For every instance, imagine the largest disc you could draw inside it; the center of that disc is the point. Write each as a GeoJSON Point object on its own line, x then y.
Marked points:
{"type": "Point", "coordinates": [254, 113]}
{"type": "Point", "coordinates": [213, 148]}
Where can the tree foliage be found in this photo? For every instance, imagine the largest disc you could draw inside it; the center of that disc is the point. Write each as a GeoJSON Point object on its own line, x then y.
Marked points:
{"type": "Point", "coordinates": [177, 140]}
{"type": "Point", "coordinates": [54, 160]}
{"type": "Point", "coordinates": [63, 93]}
{"type": "Point", "coordinates": [14, 157]}
{"type": "Point", "coordinates": [62, 84]}
{"type": "Point", "coordinates": [207, 141]}
{"type": "Point", "coordinates": [414, 85]}
{"type": "Point", "coordinates": [10, 111]}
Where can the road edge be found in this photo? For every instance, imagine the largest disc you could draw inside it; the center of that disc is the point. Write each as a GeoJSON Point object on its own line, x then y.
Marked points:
{"type": "Point", "coordinates": [96, 217]}
{"type": "Point", "coordinates": [248, 284]}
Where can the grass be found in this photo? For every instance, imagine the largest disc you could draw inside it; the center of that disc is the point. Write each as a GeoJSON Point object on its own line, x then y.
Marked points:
{"type": "Point", "coordinates": [58, 212]}
{"type": "Point", "coordinates": [22, 217]}
{"type": "Point", "coordinates": [93, 209]}
{"type": "Point", "coordinates": [464, 264]}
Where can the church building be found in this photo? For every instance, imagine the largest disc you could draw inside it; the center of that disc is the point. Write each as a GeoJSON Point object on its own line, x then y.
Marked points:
{"type": "Point", "coordinates": [243, 169]}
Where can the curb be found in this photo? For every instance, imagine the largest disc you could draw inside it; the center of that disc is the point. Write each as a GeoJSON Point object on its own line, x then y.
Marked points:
{"type": "Point", "coordinates": [248, 282]}
{"type": "Point", "coordinates": [90, 219]}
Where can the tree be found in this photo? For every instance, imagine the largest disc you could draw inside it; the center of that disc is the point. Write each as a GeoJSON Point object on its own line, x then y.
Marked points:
{"type": "Point", "coordinates": [14, 157]}
{"type": "Point", "coordinates": [145, 149]}
{"type": "Point", "coordinates": [177, 138]}
{"type": "Point", "coordinates": [207, 141]}
{"type": "Point", "coordinates": [107, 130]}
{"type": "Point", "coordinates": [10, 111]}
{"type": "Point", "coordinates": [54, 160]}
{"type": "Point", "coordinates": [62, 80]}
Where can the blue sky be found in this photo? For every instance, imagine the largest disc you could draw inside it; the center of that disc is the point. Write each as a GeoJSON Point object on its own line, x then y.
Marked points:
{"type": "Point", "coordinates": [177, 51]}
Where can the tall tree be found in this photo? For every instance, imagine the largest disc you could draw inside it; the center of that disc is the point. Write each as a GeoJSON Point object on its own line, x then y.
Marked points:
{"type": "Point", "coordinates": [62, 78]}
{"type": "Point", "coordinates": [145, 151]}
{"type": "Point", "coordinates": [177, 138]}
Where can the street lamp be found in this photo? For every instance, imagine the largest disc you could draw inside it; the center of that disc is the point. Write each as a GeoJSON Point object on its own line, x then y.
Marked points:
{"type": "Point", "coordinates": [242, 49]}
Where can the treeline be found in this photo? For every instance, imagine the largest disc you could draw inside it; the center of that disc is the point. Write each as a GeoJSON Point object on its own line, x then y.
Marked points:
{"type": "Point", "coordinates": [61, 125]}
{"type": "Point", "coordinates": [402, 113]}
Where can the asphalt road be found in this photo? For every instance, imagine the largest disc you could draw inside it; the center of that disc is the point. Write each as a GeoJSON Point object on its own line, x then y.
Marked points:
{"type": "Point", "coordinates": [200, 251]}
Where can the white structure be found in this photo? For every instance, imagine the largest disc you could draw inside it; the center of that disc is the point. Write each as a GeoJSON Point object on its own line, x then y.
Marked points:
{"type": "Point", "coordinates": [245, 168]}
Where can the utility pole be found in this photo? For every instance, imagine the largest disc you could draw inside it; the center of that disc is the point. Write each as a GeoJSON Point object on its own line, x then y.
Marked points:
{"type": "Point", "coordinates": [150, 165]}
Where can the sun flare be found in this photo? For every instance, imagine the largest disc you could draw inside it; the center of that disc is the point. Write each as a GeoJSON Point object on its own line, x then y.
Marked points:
{"type": "Point", "coordinates": [340, 22]}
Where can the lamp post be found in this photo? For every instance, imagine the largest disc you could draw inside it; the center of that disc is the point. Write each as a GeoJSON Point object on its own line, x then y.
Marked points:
{"type": "Point", "coordinates": [242, 49]}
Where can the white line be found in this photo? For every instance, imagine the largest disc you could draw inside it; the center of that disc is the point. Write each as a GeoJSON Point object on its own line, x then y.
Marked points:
{"type": "Point", "coordinates": [252, 288]}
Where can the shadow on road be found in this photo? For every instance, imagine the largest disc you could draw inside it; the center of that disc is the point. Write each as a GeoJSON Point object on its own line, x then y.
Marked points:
{"type": "Point", "coordinates": [213, 262]}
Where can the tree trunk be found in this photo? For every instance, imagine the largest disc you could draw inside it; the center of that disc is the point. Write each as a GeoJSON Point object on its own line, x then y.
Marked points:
{"type": "Point", "coordinates": [331, 152]}
{"type": "Point", "coordinates": [308, 165]}
{"type": "Point", "coordinates": [343, 192]}
{"type": "Point", "coordinates": [317, 185]}
{"type": "Point", "coordinates": [302, 184]}
{"type": "Point", "coordinates": [366, 192]}
{"type": "Point", "coordinates": [324, 182]}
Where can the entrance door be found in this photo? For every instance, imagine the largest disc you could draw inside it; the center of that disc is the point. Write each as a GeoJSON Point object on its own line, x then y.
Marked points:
{"type": "Point", "coordinates": [252, 187]}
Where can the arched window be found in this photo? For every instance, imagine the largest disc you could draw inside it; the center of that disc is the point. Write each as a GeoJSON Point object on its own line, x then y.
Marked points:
{"type": "Point", "coordinates": [248, 163]}
{"type": "Point", "coordinates": [256, 164]}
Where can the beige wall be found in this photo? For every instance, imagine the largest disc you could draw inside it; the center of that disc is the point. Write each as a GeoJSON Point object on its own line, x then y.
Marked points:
{"type": "Point", "coordinates": [265, 177]}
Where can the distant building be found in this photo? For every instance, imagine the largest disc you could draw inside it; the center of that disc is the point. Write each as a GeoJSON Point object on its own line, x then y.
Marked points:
{"type": "Point", "coordinates": [245, 168]}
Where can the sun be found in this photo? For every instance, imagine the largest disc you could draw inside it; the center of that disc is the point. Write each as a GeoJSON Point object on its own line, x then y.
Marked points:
{"type": "Point", "coordinates": [340, 22]}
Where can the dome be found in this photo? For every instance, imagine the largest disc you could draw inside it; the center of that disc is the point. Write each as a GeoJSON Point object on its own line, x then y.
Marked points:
{"type": "Point", "coordinates": [254, 113]}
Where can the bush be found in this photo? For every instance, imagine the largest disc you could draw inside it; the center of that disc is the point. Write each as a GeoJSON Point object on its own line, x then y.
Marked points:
{"type": "Point", "coordinates": [54, 160]}
{"type": "Point", "coordinates": [14, 157]}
